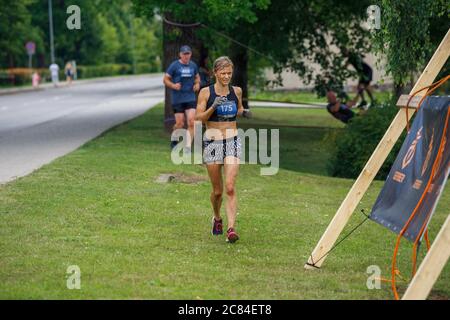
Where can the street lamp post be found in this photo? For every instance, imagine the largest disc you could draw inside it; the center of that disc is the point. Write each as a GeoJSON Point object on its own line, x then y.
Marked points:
{"type": "Point", "coordinates": [133, 44]}
{"type": "Point", "coordinates": [53, 67]}
{"type": "Point", "coordinates": [50, 21]}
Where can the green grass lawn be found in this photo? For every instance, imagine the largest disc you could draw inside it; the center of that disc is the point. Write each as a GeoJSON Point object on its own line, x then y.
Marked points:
{"type": "Point", "coordinates": [100, 208]}
{"type": "Point", "coordinates": [307, 97]}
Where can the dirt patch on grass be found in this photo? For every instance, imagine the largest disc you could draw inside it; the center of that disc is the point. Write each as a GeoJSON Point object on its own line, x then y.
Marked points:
{"type": "Point", "coordinates": [181, 178]}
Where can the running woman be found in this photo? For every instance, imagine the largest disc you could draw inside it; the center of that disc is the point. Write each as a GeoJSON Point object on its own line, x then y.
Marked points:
{"type": "Point", "coordinates": [184, 81]}
{"type": "Point", "coordinates": [218, 106]}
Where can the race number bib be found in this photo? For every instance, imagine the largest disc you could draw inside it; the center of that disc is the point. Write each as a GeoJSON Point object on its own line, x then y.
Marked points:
{"type": "Point", "coordinates": [227, 109]}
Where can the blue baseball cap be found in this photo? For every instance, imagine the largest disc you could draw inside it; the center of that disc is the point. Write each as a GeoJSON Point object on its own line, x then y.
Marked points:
{"type": "Point", "coordinates": [185, 49]}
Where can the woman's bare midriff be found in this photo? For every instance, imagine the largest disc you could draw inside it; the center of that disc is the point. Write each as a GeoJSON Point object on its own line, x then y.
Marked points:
{"type": "Point", "coordinates": [220, 130]}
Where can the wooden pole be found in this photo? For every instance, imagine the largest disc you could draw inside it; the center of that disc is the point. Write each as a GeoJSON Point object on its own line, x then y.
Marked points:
{"type": "Point", "coordinates": [375, 162]}
{"type": "Point", "coordinates": [431, 267]}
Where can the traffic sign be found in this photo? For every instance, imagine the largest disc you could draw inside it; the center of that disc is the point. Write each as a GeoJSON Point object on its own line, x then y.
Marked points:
{"type": "Point", "coordinates": [31, 47]}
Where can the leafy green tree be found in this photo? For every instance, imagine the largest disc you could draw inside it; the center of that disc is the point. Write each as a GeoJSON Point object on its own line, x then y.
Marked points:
{"type": "Point", "coordinates": [293, 35]}
{"type": "Point", "coordinates": [109, 39]}
{"type": "Point", "coordinates": [82, 45]}
{"type": "Point", "coordinates": [222, 15]}
{"type": "Point", "coordinates": [15, 31]}
{"type": "Point", "coordinates": [147, 44]}
{"type": "Point", "coordinates": [410, 33]}
{"type": "Point", "coordinates": [109, 32]}
{"type": "Point", "coordinates": [313, 37]}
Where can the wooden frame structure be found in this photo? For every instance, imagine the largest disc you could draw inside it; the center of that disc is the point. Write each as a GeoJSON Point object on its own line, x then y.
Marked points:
{"type": "Point", "coordinates": [433, 263]}
{"type": "Point", "coordinates": [431, 266]}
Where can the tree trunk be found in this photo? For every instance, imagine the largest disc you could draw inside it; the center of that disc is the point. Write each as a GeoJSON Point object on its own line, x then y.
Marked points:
{"type": "Point", "coordinates": [398, 90]}
{"type": "Point", "coordinates": [239, 56]}
{"type": "Point", "coordinates": [173, 38]}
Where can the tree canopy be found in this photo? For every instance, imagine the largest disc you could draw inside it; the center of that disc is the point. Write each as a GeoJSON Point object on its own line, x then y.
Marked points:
{"type": "Point", "coordinates": [110, 33]}
{"type": "Point", "coordinates": [410, 33]}
{"type": "Point", "coordinates": [291, 35]}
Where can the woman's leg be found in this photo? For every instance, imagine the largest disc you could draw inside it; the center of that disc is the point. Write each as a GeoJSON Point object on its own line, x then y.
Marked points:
{"type": "Point", "coordinates": [190, 116]}
{"type": "Point", "coordinates": [215, 174]}
{"type": "Point", "coordinates": [231, 169]}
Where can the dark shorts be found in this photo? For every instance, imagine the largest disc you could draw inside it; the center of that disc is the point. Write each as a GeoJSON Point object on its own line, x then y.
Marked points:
{"type": "Point", "coordinates": [215, 151]}
{"type": "Point", "coordinates": [182, 107]}
{"type": "Point", "coordinates": [366, 77]}
{"type": "Point", "coordinates": [343, 114]}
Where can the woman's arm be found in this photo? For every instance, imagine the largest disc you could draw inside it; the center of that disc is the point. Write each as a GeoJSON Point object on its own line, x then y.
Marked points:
{"type": "Point", "coordinates": [238, 92]}
{"type": "Point", "coordinates": [197, 83]}
{"type": "Point", "coordinates": [201, 114]}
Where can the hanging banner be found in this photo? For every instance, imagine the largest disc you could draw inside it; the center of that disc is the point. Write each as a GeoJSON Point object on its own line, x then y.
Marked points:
{"type": "Point", "coordinates": [410, 183]}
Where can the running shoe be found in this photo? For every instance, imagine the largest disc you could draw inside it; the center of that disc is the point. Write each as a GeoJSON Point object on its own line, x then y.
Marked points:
{"type": "Point", "coordinates": [216, 227]}
{"type": "Point", "coordinates": [372, 104]}
{"type": "Point", "coordinates": [362, 104]}
{"type": "Point", "coordinates": [232, 236]}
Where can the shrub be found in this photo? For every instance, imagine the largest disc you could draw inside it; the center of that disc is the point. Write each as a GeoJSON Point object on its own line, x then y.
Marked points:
{"type": "Point", "coordinates": [20, 76]}
{"type": "Point", "coordinates": [103, 70]}
{"type": "Point", "coordinates": [146, 68]}
{"type": "Point", "coordinates": [353, 146]}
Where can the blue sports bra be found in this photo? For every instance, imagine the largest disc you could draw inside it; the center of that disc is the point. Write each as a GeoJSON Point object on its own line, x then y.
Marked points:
{"type": "Point", "coordinates": [228, 110]}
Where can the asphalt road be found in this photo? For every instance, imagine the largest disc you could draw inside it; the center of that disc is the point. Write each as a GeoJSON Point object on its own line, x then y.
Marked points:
{"type": "Point", "coordinates": [38, 127]}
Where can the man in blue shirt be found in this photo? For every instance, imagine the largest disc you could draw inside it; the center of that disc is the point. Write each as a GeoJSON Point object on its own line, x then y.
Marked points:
{"type": "Point", "coordinates": [183, 79]}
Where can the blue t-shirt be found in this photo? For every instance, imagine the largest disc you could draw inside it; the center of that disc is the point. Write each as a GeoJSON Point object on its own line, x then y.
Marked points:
{"type": "Point", "coordinates": [184, 74]}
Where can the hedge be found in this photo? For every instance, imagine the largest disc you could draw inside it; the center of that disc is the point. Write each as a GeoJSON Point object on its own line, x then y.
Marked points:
{"type": "Point", "coordinates": [21, 76]}
{"type": "Point", "coordinates": [353, 146]}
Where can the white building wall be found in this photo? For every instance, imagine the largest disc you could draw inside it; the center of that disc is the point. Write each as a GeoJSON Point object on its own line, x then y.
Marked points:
{"type": "Point", "coordinates": [291, 81]}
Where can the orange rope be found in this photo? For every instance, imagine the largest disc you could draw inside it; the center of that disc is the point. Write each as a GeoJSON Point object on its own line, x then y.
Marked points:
{"type": "Point", "coordinates": [416, 247]}
{"type": "Point", "coordinates": [397, 272]}
{"type": "Point", "coordinates": [394, 269]}
{"type": "Point", "coordinates": [414, 257]}
{"type": "Point", "coordinates": [435, 85]}
{"type": "Point", "coordinates": [427, 240]}
{"type": "Point", "coordinates": [402, 232]}
{"type": "Point", "coordinates": [438, 158]}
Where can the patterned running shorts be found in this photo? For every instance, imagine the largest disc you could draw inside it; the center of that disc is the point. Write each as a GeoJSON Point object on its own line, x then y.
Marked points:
{"type": "Point", "coordinates": [217, 150]}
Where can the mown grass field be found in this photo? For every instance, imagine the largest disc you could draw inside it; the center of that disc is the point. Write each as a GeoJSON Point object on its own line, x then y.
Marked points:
{"type": "Point", "coordinates": [100, 208]}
